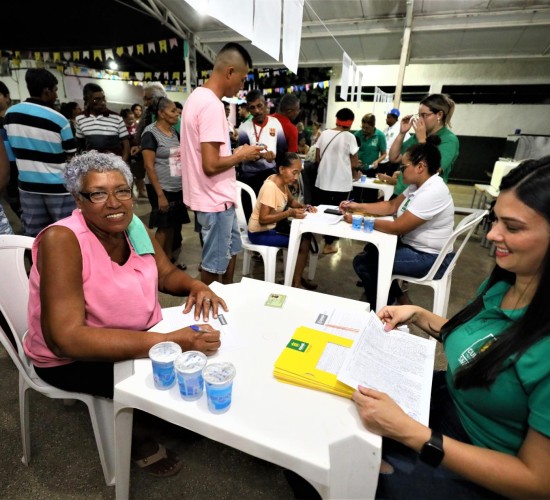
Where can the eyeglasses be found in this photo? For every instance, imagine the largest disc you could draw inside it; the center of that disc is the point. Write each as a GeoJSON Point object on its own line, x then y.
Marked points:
{"type": "Point", "coordinates": [95, 100]}
{"type": "Point", "coordinates": [423, 115]}
{"type": "Point", "coordinates": [123, 194]}
{"type": "Point", "coordinates": [404, 167]}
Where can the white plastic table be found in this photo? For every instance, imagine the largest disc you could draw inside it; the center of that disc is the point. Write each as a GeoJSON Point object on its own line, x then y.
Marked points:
{"type": "Point", "coordinates": [316, 434]}
{"type": "Point", "coordinates": [369, 183]}
{"type": "Point", "coordinates": [386, 244]}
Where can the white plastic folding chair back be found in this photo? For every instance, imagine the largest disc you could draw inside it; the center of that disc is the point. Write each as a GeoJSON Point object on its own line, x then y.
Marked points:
{"type": "Point", "coordinates": [14, 297]}
{"type": "Point", "coordinates": [442, 286]}
{"type": "Point", "coordinates": [269, 254]}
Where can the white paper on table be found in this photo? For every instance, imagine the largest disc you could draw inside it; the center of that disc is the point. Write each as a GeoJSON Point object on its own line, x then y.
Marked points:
{"type": "Point", "coordinates": [341, 322]}
{"type": "Point", "coordinates": [173, 319]}
{"type": "Point", "coordinates": [397, 363]}
{"type": "Point", "coordinates": [322, 218]}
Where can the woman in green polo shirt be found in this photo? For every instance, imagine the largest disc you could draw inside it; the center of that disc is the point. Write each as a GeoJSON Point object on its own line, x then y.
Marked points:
{"type": "Point", "coordinates": [490, 412]}
{"type": "Point", "coordinates": [433, 118]}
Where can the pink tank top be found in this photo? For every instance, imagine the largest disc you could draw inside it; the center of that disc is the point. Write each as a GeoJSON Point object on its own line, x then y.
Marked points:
{"type": "Point", "coordinates": [116, 296]}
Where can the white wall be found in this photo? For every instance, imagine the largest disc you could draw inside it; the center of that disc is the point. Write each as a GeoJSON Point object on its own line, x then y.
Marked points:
{"type": "Point", "coordinates": [490, 120]}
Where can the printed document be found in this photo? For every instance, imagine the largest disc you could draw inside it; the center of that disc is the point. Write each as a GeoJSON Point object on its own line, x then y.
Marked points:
{"type": "Point", "coordinates": [397, 363]}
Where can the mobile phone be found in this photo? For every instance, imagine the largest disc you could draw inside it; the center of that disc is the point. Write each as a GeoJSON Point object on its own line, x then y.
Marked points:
{"type": "Point", "coordinates": [333, 211]}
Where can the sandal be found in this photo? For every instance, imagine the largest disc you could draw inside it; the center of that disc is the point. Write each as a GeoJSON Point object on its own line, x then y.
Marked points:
{"type": "Point", "coordinates": [162, 463]}
{"type": "Point", "coordinates": [308, 284]}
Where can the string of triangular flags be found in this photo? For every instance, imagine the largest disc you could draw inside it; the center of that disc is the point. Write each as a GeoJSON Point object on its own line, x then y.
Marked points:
{"type": "Point", "coordinates": [77, 56]}
{"type": "Point", "coordinates": [266, 73]}
{"type": "Point", "coordinates": [71, 63]}
{"type": "Point", "coordinates": [173, 81]}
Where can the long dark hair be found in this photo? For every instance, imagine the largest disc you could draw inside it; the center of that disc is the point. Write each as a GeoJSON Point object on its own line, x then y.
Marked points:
{"type": "Point", "coordinates": [530, 182]}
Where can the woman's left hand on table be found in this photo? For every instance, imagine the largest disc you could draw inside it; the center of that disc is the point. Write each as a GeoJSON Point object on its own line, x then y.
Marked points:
{"type": "Point", "coordinates": [298, 213]}
{"type": "Point", "coordinates": [204, 300]}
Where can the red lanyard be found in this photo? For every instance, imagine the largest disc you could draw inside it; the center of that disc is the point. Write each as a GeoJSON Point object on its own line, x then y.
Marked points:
{"type": "Point", "coordinates": [258, 135]}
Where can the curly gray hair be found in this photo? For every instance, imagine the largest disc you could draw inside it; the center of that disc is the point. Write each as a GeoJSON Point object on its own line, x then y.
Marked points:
{"type": "Point", "coordinates": [93, 161]}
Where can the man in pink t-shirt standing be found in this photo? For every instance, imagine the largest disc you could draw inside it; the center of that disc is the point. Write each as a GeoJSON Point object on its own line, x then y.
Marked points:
{"type": "Point", "coordinates": [208, 167]}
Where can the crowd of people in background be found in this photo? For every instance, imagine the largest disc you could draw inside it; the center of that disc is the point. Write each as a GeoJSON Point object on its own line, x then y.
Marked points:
{"type": "Point", "coordinates": [331, 159]}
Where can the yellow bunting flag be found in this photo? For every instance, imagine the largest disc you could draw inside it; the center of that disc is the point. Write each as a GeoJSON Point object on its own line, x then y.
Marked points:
{"type": "Point", "coordinates": [98, 54]}
{"type": "Point", "coordinates": [140, 49]}
{"type": "Point", "coordinates": [119, 51]}
{"type": "Point", "coordinates": [163, 46]}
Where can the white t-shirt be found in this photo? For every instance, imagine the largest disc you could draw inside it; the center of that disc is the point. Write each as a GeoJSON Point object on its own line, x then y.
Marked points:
{"type": "Point", "coordinates": [335, 167]}
{"type": "Point", "coordinates": [433, 203]}
{"type": "Point", "coordinates": [270, 134]}
{"type": "Point", "coordinates": [391, 133]}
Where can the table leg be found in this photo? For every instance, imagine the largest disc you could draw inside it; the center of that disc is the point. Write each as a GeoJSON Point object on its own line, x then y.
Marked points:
{"type": "Point", "coordinates": [354, 467]}
{"type": "Point", "coordinates": [124, 417]}
{"type": "Point", "coordinates": [385, 268]}
{"type": "Point", "coordinates": [473, 198]}
{"type": "Point", "coordinates": [293, 248]}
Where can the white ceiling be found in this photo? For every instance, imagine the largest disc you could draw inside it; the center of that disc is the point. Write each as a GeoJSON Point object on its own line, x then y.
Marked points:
{"type": "Point", "coordinates": [370, 31]}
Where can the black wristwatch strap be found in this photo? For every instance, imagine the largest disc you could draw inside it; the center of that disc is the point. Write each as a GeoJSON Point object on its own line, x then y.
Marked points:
{"type": "Point", "coordinates": [432, 452]}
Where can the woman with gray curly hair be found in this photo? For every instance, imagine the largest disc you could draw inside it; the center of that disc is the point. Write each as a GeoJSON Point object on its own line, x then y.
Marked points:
{"type": "Point", "coordinates": [93, 293]}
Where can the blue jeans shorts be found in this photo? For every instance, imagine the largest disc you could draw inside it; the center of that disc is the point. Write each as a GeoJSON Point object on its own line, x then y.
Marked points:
{"type": "Point", "coordinates": [221, 237]}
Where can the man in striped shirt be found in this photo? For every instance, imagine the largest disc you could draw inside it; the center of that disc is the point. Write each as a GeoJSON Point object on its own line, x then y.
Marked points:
{"type": "Point", "coordinates": [42, 142]}
{"type": "Point", "coordinates": [99, 128]}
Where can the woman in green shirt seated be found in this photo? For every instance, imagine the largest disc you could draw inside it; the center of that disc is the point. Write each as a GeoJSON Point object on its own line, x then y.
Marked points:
{"type": "Point", "coordinates": [490, 412]}
{"type": "Point", "coordinates": [433, 118]}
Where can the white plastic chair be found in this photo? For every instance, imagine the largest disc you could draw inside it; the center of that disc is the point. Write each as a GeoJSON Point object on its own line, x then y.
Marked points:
{"type": "Point", "coordinates": [268, 253]}
{"type": "Point", "coordinates": [442, 286]}
{"type": "Point", "coordinates": [14, 297]}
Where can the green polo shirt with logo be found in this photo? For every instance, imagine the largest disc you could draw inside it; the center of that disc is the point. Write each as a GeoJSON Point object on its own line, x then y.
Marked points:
{"type": "Point", "coordinates": [498, 417]}
{"type": "Point", "coordinates": [371, 147]}
{"type": "Point", "coordinates": [449, 153]}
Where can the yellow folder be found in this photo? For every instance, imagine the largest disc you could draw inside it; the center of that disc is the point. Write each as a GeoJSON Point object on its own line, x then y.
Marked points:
{"type": "Point", "coordinates": [311, 359]}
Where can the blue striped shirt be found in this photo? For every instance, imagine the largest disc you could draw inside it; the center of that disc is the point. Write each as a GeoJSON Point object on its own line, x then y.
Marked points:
{"type": "Point", "coordinates": [41, 138]}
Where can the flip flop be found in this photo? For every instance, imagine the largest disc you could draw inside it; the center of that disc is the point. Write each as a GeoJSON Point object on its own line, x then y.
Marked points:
{"type": "Point", "coordinates": [308, 284]}
{"type": "Point", "coordinates": [171, 466]}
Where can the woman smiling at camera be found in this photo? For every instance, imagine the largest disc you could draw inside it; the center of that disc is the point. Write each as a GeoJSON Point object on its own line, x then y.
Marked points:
{"type": "Point", "coordinates": [425, 220]}
{"type": "Point", "coordinates": [490, 412]}
{"type": "Point", "coordinates": [93, 291]}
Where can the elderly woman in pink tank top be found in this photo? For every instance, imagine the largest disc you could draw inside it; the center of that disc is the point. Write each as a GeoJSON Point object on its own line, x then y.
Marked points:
{"type": "Point", "coordinates": [93, 293]}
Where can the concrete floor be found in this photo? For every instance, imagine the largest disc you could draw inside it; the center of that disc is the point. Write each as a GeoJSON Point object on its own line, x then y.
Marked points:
{"type": "Point", "coordinates": [65, 463]}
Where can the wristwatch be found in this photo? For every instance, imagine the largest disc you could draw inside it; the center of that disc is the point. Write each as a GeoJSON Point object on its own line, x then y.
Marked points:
{"type": "Point", "coordinates": [432, 452]}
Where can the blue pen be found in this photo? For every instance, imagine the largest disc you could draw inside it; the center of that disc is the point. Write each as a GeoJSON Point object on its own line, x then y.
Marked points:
{"type": "Point", "coordinates": [197, 328]}
{"type": "Point", "coordinates": [349, 201]}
